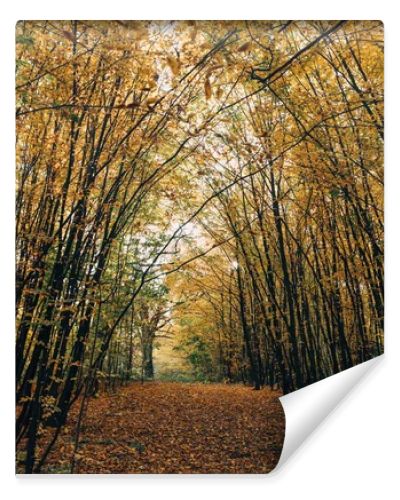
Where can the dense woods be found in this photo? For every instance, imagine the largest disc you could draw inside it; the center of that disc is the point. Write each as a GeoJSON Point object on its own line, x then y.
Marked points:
{"type": "Point", "coordinates": [214, 185]}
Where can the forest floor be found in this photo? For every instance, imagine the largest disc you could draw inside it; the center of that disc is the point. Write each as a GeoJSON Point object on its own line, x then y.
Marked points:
{"type": "Point", "coordinates": [166, 427]}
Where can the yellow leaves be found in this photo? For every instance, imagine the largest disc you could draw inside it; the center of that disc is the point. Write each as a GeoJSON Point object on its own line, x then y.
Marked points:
{"type": "Point", "coordinates": [68, 308]}
{"type": "Point", "coordinates": [113, 46]}
{"type": "Point", "coordinates": [207, 88]}
{"type": "Point", "coordinates": [48, 406]}
{"type": "Point", "coordinates": [174, 64]}
{"type": "Point", "coordinates": [214, 68]}
{"type": "Point", "coordinates": [25, 399]}
{"type": "Point", "coordinates": [151, 100]}
{"type": "Point", "coordinates": [32, 291]}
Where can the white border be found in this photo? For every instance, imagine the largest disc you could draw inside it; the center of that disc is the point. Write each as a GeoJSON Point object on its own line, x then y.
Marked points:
{"type": "Point", "coordinates": [354, 453]}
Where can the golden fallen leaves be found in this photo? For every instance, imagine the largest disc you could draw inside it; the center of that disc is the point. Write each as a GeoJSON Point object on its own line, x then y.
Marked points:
{"type": "Point", "coordinates": [164, 427]}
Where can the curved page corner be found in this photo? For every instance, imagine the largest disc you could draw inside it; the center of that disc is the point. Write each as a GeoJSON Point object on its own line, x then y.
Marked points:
{"type": "Point", "coordinates": [306, 408]}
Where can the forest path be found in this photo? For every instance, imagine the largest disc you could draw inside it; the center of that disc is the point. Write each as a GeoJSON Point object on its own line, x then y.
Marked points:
{"type": "Point", "coordinates": [166, 427]}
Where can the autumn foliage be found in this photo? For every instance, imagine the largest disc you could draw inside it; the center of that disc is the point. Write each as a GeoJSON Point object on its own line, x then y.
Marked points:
{"type": "Point", "coordinates": [213, 190]}
{"type": "Point", "coordinates": [174, 428]}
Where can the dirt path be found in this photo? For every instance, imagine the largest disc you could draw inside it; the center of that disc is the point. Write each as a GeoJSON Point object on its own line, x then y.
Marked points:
{"type": "Point", "coordinates": [176, 428]}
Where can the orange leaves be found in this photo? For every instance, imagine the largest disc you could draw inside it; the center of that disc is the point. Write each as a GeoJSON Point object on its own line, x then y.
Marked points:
{"type": "Point", "coordinates": [177, 428]}
{"type": "Point", "coordinates": [207, 83]}
{"type": "Point", "coordinates": [245, 47]}
{"type": "Point", "coordinates": [219, 93]}
{"type": "Point", "coordinates": [174, 64]}
{"type": "Point", "coordinates": [214, 68]}
{"type": "Point", "coordinates": [207, 88]}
